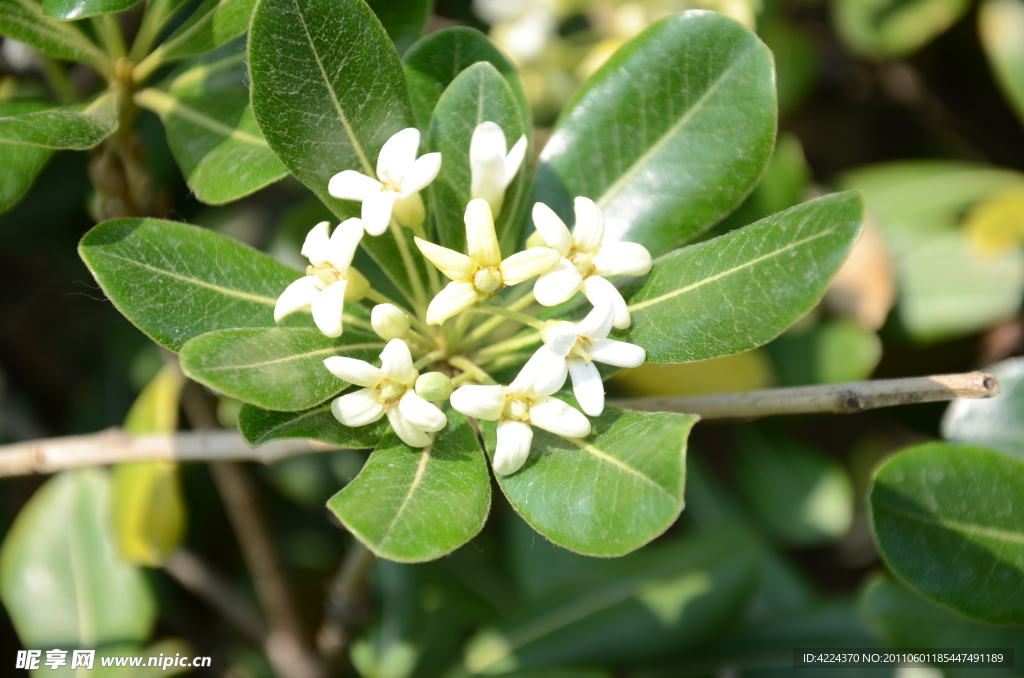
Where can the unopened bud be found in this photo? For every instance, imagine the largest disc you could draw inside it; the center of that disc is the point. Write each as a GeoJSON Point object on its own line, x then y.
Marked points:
{"type": "Point", "coordinates": [389, 321]}
{"type": "Point", "coordinates": [536, 240]}
{"type": "Point", "coordinates": [433, 386]}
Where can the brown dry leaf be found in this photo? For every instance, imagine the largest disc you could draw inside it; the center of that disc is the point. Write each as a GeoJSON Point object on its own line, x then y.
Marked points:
{"type": "Point", "coordinates": [865, 287]}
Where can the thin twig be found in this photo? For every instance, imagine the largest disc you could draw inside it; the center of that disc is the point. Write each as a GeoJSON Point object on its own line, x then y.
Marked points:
{"type": "Point", "coordinates": [830, 398]}
{"type": "Point", "coordinates": [346, 604]}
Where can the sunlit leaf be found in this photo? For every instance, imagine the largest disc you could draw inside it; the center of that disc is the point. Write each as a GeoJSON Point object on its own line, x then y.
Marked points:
{"type": "Point", "coordinates": [24, 20]}
{"type": "Point", "coordinates": [214, 23]}
{"type": "Point", "coordinates": [75, 126]}
{"type": "Point", "coordinates": [992, 422]}
{"type": "Point", "coordinates": [259, 426]}
{"type": "Point", "coordinates": [80, 9]}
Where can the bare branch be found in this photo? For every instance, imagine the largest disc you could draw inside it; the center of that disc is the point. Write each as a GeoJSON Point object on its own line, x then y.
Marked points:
{"type": "Point", "coordinates": [847, 398]}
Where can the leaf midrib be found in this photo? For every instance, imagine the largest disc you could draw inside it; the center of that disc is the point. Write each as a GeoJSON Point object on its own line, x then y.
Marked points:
{"type": "Point", "coordinates": [967, 529]}
{"type": "Point", "coordinates": [421, 470]}
{"type": "Point", "coordinates": [297, 356]}
{"type": "Point", "coordinates": [165, 104]}
{"type": "Point", "coordinates": [268, 433]}
{"type": "Point", "coordinates": [618, 463]}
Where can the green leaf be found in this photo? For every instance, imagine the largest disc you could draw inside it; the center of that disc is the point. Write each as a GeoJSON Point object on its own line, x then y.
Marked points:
{"type": "Point", "coordinates": [477, 95]}
{"type": "Point", "coordinates": [992, 422]}
{"type": "Point", "coordinates": [276, 368]}
{"type": "Point", "coordinates": [947, 522]}
{"type": "Point", "coordinates": [434, 62]}
{"type": "Point", "coordinates": [60, 578]}
{"type": "Point", "coordinates": [404, 20]}
{"type": "Point", "coordinates": [893, 28]}
{"type": "Point", "coordinates": [213, 24]}
{"type": "Point", "coordinates": [333, 103]}
{"type": "Point", "coordinates": [175, 281]}
{"type": "Point", "coordinates": [832, 352]}
{"type": "Point", "coordinates": [670, 134]}
{"type": "Point", "coordinates": [80, 9]}
{"type": "Point", "coordinates": [19, 163]}
{"type": "Point", "coordinates": [663, 599]}
{"type": "Point", "coordinates": [211, 130]}
{"type": "Point", "coordinates": [1001, 26]}
{"type": "Point", "coordinates": [76, 126]}
{"type": "Point", "coordinates": [905, 620]}
{"type": "Point", "coordinates": [609, 493]}
{"type": "Point", "coordinates": [412, 505]}
{"type": "Point", "coordinates": [800, 496]}
{"type": "Point", "coordinates": [24, 20]}
{"type": "Point", "coordinates": [259, 427]}
{"type": "Point", "coordinates": [738, 291]}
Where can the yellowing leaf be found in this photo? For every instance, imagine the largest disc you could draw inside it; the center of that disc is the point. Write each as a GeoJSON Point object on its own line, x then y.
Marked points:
{"type": "Point", "coordinates": [731, 374]}
{"type": "Point", "coordinates": [996, 226]}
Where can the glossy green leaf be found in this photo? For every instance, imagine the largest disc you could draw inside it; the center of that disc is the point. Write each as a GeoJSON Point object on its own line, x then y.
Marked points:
{"type": "Point", "coordinates": [60, 578]}
{"type": "Point", "coordinates": [76, 126]}
{"type": "Point", "coordinates": [435, 61]}
{"type": "Point", "coordinates": [1001, 27]}
{"type": "Point", "coordinates": [670, 134]}
{"type": "Point", "coordinates": [664, 599]}
{"type": "Point", "coordinates": [992, 422]}
{"type": "Point", "coordinates": [213, 24]}
{"type": "Point", "coordinates": [24, 20]}
{"type": "Point", "coordinates": [947, 521]}
{"type": "Point", "coordinates": [609, 493]}
{"type": "Point", "coordinates": [175, 281]}
{"type": "Point", "coordinates": [477, 95]}
{"type": "Point", "coordinates": [738, 291]}
{"type": "Point", "coordinates": [404, 20]}
{"type": "Point", "coordinates": [259, 426]}
{"type": "Point", "coordinates": [796, 493]}
{"type": "Point", "coordinates": [905, 620]}
{"type": "Point", "coordinates": [80, 9]}
{"type": "Point", "coordinates": [893, 28]}
{"type": "Point", "coordinates": [19, 163]}
{"type": "Point", "coordinates": [276, 368]}
{"type": "Point", "coordinates": [212, 132]}
{"type": "Point", "coordinates": [412, 505]}
{"type": "Point", "coordinates": [335, 100]}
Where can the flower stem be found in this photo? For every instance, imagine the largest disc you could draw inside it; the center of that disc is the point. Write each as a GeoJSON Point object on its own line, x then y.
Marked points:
{"type": "Point", "coordinates": [110, 32]}
{"type": "Point", "coordinates": [358, 322]}
{"type": "Point", "coordinates": [488, 326]}
{"type": "Point", "coordinates": [509, 345]}
{"type": "Point", "coordinates": [435, 281]}
{"type": "Point", "coordinates": [377, 297]}
{"type": "Point", "coordinates": [469, 367]}
{"type": "Point", "coordinates": [431, 357]}
{"type": "Point", "coordinates": [511, 315]}
{"type": "Point", "coordinates": [410, 268]}
{"type": "Point", "coordinates": [57, 78]}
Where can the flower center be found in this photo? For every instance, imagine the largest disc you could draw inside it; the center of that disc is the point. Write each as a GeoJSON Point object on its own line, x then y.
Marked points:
{"type": "Point", "coordinates": [584, 262]}
{"type": "Point", "coordinates": [581, 348]}
{"type": "Point", "coordinates": [517, 408]}
{"type": "Point", "coordinates": [326, 274]}
{"type": "Point", "coordinates": [488, 280]}
{"type": "Point", "coordinates": [391, 392]}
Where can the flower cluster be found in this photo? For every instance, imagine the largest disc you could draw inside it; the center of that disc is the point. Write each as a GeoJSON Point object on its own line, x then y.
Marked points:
{"type": "Point", "coordinates": [563, 262]}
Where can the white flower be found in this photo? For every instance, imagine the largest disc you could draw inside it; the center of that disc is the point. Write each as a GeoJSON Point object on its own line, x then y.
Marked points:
{"type": "Point", "coordinates": [389, 322]}
{"type": "Point", "coordinates": [570, 349]}
{"type": "Point", "coordinates": [387, 390]}
{"type": "Point", "coordinates": [330, 280]}
{"type": "Point", "coordinates": [401, 177]}
{"type": "Point", "coordinates": [491, 168]}
{"type": "Point", "coordinates": [516, 408]}
{"type": "Point", "coordinates": [586, 259]}
{"type": "Point", "coordinates": [483, 272]}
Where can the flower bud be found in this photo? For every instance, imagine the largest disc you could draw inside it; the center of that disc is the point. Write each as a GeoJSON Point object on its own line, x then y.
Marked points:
{"type": "Point", "coordinates": [433, 386]}
{"type": "Point", "coordinates": [389, 321]}
{"type": "Point", "coordinates": [535, 240]}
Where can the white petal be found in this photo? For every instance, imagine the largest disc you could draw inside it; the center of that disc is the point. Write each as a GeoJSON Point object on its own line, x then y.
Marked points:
{"type": "Point", "coordinates": [588, 232]}
{"type": "Point", "coordinates": [410, 211]}
{"type": "Point", "coordinates": [422, 172]}
{"type": "Point", "coordinates": [552, 229]}
{"type": "Point", "coordinates": [623, 258]}
{"type": "Point", "coordinates": [558, 284]}
{"type": "Point", "coordinates": [487, 164]}
{"type": "Point", "coordinates": [327, 308]}
{"type": "Point", "coordinates": [315, 248]}
{"type": "Point", "coordinates": [352, 185]}
{"type": "Point", "coordinates": [599, 291]}
{"type": "Point", "coordinates": [453, 264]}
{"type": "Point", "coordinates": [344, 242]}
{"type": "Point", "coordinates": [598, 323]}
{"type": "Point", "coordinates": [297, 296]}
{"type": "Point", "coordinates": [528, 263]}
{"type": "Point", "coordinates": [560, 337]}
{"type": "Point", "coordinates": [358, 372]}
{"type": "Point", "coordinates": [559, 418]}
{"type": "Point", "coordinates": [454, 298]}
{"type": "Point", "coordinates": [396, 362]}
{"type": "Point", "coordinates": [480, 402]}
{"type": "Point", "coordinates": [410, 435]}
{"type": "Point", "coordinates": [488, 141]}
{"type": "Point", "coordinates": [357, 409]}
{"type": "Point", "coordinates": [545, 370]}
{"type": "Point", "coordinates": [617, 353]}
{"type": "Point", "coordinates": [420, 413]}
{"type": "Point", "coordinates": [398, 153]}
{"type": "Point", "coordinates": [481, 240]}
{"type": "Point", "coordinates": [514, 159]}
{"type": "Point", "coordinates": [377, 211]}
{"type": "Point", "coordinates": [587, 385]}
{"type": "Point", "coordinates": [513, 448]}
